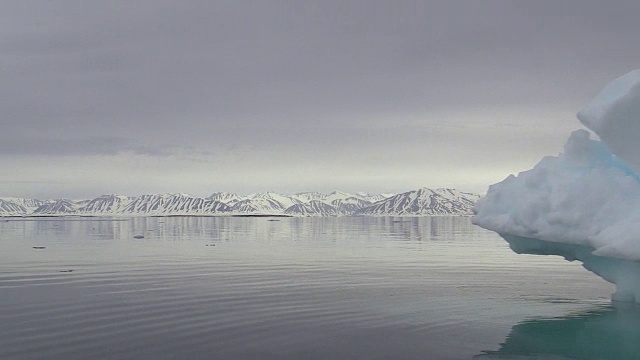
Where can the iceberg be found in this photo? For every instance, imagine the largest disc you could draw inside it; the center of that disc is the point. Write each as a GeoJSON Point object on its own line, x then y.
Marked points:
{"type": "Point", "coordinates": [615, 116]}
{"type": "Point", "coordinates": [583, 204]}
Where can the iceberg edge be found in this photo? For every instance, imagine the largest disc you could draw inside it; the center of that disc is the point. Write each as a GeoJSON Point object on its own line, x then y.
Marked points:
{"type": "Point", "coordinates": [625, 274]}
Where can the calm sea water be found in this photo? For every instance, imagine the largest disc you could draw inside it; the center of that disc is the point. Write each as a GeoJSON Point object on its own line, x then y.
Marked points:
{"type": "Point", "coordinates": [295, 288]}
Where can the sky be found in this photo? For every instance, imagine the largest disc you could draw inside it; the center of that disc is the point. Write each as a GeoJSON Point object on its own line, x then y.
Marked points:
{"type": "Point", "coordinates": [157, 96]}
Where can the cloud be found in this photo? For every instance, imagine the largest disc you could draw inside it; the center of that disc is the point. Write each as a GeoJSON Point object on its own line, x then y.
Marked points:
{"type": "Point", "coordinates": [356, 81]}
{"type": "Point", "coordinates": [80, 146]}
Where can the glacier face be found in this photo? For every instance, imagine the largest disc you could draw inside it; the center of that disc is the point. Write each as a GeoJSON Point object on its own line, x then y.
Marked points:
{"type": "Point", "coordinates": [269, 203]}
{"type": "Point", "coordinates": [583, 204]}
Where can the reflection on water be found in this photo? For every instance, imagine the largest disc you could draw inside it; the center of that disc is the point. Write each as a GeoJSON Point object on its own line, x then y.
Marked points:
{"type": "Point", "coordinates": [225, 228]}
{"type": "Point", "coordinates": [237, 288]}
{"type": "Point", "coordinates": [607, 332]}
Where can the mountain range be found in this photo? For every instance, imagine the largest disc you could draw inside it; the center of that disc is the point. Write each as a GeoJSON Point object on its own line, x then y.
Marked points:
{"type": "Point", "coordinates": [423, 201]}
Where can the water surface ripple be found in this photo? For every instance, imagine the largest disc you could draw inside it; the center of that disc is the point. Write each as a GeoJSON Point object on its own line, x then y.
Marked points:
{"type": "Point", "coordinates": [238, 288]}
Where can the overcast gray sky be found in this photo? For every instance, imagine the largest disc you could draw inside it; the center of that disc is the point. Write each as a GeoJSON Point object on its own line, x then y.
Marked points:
{"type": "Point", "coordinates": [153, 96]}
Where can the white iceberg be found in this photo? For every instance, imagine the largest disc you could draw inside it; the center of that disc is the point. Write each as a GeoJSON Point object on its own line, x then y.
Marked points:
{"type": "Point", "coordinates": [585, 203]}
{"type": "Point", "coordinates": [615, 116]}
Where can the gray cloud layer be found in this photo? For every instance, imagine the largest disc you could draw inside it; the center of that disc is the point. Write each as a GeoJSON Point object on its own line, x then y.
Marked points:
{"type": "Point", "coordinates": [372, 89]}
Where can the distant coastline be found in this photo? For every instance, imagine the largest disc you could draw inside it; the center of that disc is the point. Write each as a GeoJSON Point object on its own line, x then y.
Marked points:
{"type": "Point", "coordinates": [421, 202]}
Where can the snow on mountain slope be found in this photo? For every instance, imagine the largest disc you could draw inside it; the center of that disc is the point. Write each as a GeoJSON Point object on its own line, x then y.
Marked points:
{"type": "Point", "coordinates": [185, 204]}
{"type": "Point", "coordinates": [10, 208]}
{"type": "Point", "coordinates": [226, 198]}
{"type": "Point", "coordinates": [62, 206]}
{"type": "Point", "coordinates": [312, 208]}
{"type": "Point", "coordinates": [378, 197]}
{"type": "Point", "coordinates": [13, 206]}
{"type": "Point", "coordinates": [258, 206]}
{"type": "Point", "coordinates": [424, 202]}
{"type": "Point", "coordinates": [105, 204]}
{"type": "Point", "coordinates": [283, 200]}
{"type": "Point", "coordinates": [308, 196]}
{"type": "Point", "coordinates": [350, 205]}
{"type": "Point", "coordinates": [420, 202]}
{"type": "Point", "coordinates": [28, 204]}
{"type": "Point", "coordinates": [336, 195]}
{"type": "Point", "coordinates": [174, 204]}
{"type": "Point", "coordinates": [146, 204]}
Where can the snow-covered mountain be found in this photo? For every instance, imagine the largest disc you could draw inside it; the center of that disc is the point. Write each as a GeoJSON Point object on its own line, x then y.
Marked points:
{"type": "Point", "coordinates": [105, 204]}
{"type": "Point", "coordinates": [174, 204]}
{"type": "Point", "coordinates": [349, 205]}
{"type": "Point", "coordinates": [226, 198]}
{"type": "Point", "coordinates": [424, 202]}
{"type": "Point", "coordinates": [8, 207]}
{"type": "Point", "coordinates": [258, 206]}
{"type": "Point", "coordinates": [29, 204]}
{"type": "Point", "coordinates": [376, 197]}
{"type": "Point", "coordinates": [61, 206]}
{"type": "Point", "coordinates": [419, 202]}
{"type": "Point", "coordinates": [308, 196]}
{"type": "Point", "coordinates": [337, 195]}
{"type": "Point", "coordinates": [283, 200]}
{"type": "Point", "coordinates": [312, 208]}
